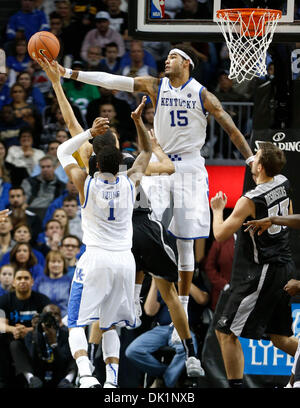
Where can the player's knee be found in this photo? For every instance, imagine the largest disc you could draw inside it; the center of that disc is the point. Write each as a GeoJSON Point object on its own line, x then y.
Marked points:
{"type": "Point", "coordinates": [186, 259]}
{"type": "Point", "coordinates": [110, 344]}
{"type": "Point", "coordinates": [77, 340]}
{"type": "Point", "coordinates": [225, 338]}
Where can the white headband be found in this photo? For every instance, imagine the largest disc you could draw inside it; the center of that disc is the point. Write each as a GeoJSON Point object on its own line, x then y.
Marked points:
{"type": "Point", "coordinates": [183, 54]}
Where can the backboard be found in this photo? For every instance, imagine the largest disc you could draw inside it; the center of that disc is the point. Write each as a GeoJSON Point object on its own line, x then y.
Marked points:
{"type": "Point", "coordinates": [149, 20]}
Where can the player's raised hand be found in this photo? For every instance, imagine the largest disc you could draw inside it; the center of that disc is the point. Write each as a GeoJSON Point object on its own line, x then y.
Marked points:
{"type": "Point", "coordinates": [219, 201]}
{"type": "Point", "coordinates": [137, 114]}
{"type": "Point", "coordinates": [51, 69]}
{"type": "Point", "coordinates": [100, 126]}
{"type": "Point", "coordinates": [258, 225]}
{"type": "Point", "coordinates": [153, 140]}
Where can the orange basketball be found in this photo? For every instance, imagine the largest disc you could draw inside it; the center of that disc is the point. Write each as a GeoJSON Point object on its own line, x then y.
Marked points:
{"type": "Point", "coordinates": [43, 44]}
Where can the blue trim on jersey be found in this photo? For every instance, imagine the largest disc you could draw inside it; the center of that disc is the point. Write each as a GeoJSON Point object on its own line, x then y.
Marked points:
{"type": "Point", "coordinates": [74, 303]}
{"type": "Point", "coordinates": [184, 238]}
{"type": "Point", "coordinates": [200, 97]}
{"type": "Point", "coordinates": [158, 93]}
{"type": "Point", "coordinates": [87, 193]}
{"type": "Point", "coordinates": [184, 85]}
{"type": "Point", "coordinates": [123, 320]}
{"type": "Point", "coordinates": [107, 182]}
{"type": "Point", "coordinates": [131, 187]}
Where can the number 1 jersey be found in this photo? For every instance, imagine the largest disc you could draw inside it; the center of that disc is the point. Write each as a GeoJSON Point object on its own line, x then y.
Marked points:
{"type": "Point", "coordinates": [107, 213]}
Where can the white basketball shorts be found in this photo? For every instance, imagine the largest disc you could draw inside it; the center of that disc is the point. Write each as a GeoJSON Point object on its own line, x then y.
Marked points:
{"type": "Point", "coordinates": [186, 193]}
{"type": "Point", "coordinates": [103, 289]}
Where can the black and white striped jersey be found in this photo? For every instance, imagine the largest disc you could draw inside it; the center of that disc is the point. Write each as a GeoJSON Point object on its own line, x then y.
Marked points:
{"type": "Point", "coordinates": [271, 199]}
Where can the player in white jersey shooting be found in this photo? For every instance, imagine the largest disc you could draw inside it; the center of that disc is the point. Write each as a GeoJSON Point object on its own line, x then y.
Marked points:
{"type": "Point", "coordinates": [103, 283]}
{"type": "Point", "coordinates": [180, 122]}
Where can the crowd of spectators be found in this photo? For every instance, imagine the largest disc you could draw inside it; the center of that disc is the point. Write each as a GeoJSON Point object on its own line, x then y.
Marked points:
{"type": "Point", "coordinates": [40, 241]}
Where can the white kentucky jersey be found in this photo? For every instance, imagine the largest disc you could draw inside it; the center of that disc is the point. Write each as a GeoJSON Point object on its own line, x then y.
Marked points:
{"type": "Point", "coordinates": [107, 213]}
{"type": "Point", "coordinates": [180, 118]}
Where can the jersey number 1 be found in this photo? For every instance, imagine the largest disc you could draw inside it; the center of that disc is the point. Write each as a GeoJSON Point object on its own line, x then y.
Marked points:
{"type": "Point", "coordinates": [111, 211]}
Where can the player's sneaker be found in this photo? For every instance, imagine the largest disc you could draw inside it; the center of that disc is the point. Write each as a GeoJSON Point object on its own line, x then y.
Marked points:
{"type": "Point", "coordinates": [108, 384]}
{"type": "Point", "coordinates": [35, 382]}
{"type": "Point", "coordinates": [138, 314]}
{"type": "Point", "coordinates": [175, 339]}
{"type": "Point", "coordinates": [88, 381]}
{"type": "Point", "coordinates": [193, 367]}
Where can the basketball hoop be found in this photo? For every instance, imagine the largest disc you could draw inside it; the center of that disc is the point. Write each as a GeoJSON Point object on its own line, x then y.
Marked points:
{"type": "Point", "coordinates": [248, 33]}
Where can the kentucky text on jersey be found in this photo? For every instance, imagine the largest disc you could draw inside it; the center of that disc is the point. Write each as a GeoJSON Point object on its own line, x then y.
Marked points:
{"type": "Point", "coordinates": [110, 195]}
{"type": "Point", "coordinates": [275, 195]}
{"type": "Point", "coordinates": [178, 102]}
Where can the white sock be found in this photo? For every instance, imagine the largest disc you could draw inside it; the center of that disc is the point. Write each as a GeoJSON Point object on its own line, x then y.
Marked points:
{"type": "Point", "coordinates": [289, 385]}
{"type": "Point", "coordinates": [112, 371]}
{"type": "Point", "coordinates": [184, 300]}
{"type": "Point", "coordinates": [296, 384]}
{"type": "Point", "coordinates": [137, 291]}
{"type": "Point", "coordinates": [84, 366]}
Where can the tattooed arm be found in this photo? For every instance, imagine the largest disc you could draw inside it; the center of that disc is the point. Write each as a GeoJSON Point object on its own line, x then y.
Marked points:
{"type": "Point", "coordinates": [213, 105]}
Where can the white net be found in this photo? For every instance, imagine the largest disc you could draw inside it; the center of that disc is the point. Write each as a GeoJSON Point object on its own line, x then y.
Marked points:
{"type": "Point", "coordinates": [248, 37]}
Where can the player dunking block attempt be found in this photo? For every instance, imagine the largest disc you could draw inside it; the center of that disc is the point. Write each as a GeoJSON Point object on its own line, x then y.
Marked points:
{"type": "Point", "coordinates": [103, 283]}
{"type": "Point", "coordinates": [256, 305]}
{"type": "Point", "coordinates": [181, 106]}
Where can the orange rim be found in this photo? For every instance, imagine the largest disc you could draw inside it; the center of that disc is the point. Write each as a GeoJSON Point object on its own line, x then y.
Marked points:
{"type": "Point", "coordinates": [251, 17]}
{"type": "Point", "coordinates": [234, 14]}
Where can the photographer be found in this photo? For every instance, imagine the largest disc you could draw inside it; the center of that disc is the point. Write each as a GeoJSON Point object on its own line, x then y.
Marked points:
{"type": "Point", "coordinates": [50, 361]}
{"type": "Point", "coordinates": [17, 310]}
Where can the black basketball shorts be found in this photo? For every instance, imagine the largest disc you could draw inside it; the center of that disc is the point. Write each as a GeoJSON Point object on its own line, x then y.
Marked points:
{"type": "Point", "coordinates": [257, 306]}
{"type": "Point", "coordinates": [152, 248]}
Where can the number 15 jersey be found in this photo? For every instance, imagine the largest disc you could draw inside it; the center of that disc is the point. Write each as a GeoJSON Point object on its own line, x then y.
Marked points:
{"type": "Point", "coordinates": [180, 118]}
{"type": "Point", "coordinates": [107, 213]}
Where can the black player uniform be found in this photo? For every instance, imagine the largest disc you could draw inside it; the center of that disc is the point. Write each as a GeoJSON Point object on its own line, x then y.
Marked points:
{"type": "Point", "coordinates": [152, 249]}
{"type": "Point", "coordinates": [255, 305]}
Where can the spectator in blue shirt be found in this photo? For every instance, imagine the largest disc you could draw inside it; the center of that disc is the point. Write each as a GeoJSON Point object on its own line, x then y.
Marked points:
{"type": "Point", "coordinates": [33, 95]}
{"type": "Point", "coordinates": [22, 233]}
{"type": "Point", "coordinates": [22, 257]}
{"type": "Point", "coordinates": [19, 61]}
{"type": "Point", "coordinates": [59, 201]}
{"type": "Point", "coordinates": [55, 283]}
{"type": "Point", "coordinates": [28, 19]}
{"type": "Point", "coordinates": [5, 97]}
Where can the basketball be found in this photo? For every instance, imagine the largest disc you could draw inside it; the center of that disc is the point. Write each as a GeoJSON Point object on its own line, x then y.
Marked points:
{"type": "Point", "coordinates": [45, 44]}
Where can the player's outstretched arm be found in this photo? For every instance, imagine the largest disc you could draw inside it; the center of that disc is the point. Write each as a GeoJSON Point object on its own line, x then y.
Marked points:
{"type": "Point", "coordinates": [148, 84]}
{"type": "Point", "coordinates": [213, 105]}
{"type": "Point", "coordinates": [291, 221]}
{"type": "Point", "coordinates": [53, 72]}
{"type": "Point", "coordinates": [224, 229]}
{"type": "Point", "coordinates": [140, 165]}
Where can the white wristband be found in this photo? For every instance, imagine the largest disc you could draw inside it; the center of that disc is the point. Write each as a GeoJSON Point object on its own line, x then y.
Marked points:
{"type": "Point", "coordinates": [68, 73]}
{"type": "Point", "coordinates": [249, 160]}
